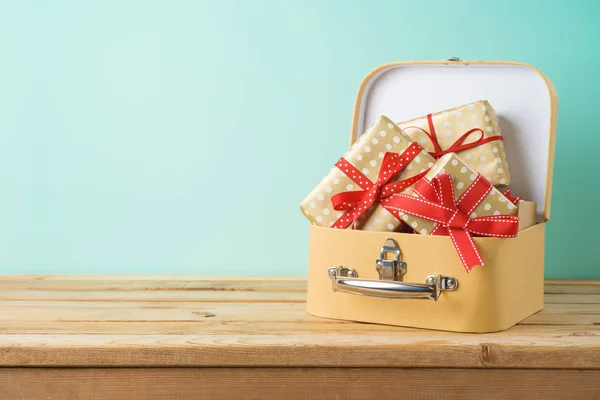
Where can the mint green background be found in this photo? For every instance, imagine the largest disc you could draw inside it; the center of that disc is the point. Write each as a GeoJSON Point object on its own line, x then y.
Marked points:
{"type": "Point", "coordinates": [179, 136]}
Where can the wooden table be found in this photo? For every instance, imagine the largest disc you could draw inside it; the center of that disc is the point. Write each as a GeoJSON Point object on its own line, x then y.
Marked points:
{"type": "Point", "coordinates": [200, 337]}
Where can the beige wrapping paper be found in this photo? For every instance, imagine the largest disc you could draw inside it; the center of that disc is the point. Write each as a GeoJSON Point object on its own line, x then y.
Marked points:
{"type": "Point", "coordinates": [494, 203]}
{"type": "Point", "coordinates": [489, 159]}
{"type": "Point", "coordinates": [526, 214]}
{"type": "Point", "coordinates": [366, 155]}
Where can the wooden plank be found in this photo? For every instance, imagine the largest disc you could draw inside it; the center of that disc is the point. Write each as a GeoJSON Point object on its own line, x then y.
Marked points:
{"type": "Point", "coordinates": [577, 307]}
{"type": "Point", "coordinates": [149, 311]}
{"type": "Point", "coordinates": [211, 295]}
{"type": "Point", "coordinates": [152, 277]}
{"type": "Point", "coordinates": [253, 307]}
{"type": "Point", "coordinates": [580, 282]}
{"type": "Point", "coordinates": [166, 296]}
{"type": "Point", "coordinates": [296, 383]}
{"type": "Point", "coordinates": [309, 325]}
{"type": "Point", "coordinates": [561, 319]}
{"type": "Point", "coordinates": [558, 288]}
{"type": "Point", "coordinates": [205, 277]}
{"type": "Point", "coordinates": [11, 311]}
{"type": "Point", "coordinates": [117, 283]}
{"type": "Point", "coordinates": [200, 282]}
{"type": "Point", "coordinates": [572, 298]}
{"type": "Point", "coordinates": [123, 285]}
{"type": "Point", "coordinates": [515, 348]}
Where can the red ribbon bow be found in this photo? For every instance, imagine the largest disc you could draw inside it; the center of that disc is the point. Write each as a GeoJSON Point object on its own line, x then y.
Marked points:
{"type": "Point", "coordinates": [459, 144]}
{"type": "Point", "coordinates": [358, 202]}
{"type": "Point", "coordinates": [435, 201]}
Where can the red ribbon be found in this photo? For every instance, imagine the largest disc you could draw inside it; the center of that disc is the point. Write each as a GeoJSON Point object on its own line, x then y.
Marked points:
{"type": "Point", "coordinates": [459, 144]}
{"type": "Point", "coordinates": [515, 200]}
{"type": "Point", "coordinates": [358, 202]}
{"type": "Point", "coordinates": [435, 201]}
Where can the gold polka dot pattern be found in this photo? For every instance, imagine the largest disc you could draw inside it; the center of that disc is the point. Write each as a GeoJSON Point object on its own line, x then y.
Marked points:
{"type": "Point", "coordinates": [495, 203]}
{"type": "Point", "coordinates": [488, 159]}
{"type": "Point", "coordinates": [366, 155]}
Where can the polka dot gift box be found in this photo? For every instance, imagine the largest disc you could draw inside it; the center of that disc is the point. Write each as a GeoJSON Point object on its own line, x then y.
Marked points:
{"type": "Point", "coordinates": [382, 162]}
{"type": "Point", "coordinates": [454, 200]}
{"type": "Point", "coordinates": [494, 203]}
{"type": "Point", "coordinates": [472, 131]}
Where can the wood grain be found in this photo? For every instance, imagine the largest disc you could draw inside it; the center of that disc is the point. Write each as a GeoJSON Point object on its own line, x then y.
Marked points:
{"type": "Point", "coordinates": [192, 321]}
{"type": "Point", "coordinates": [580, 350]}
{"type": "Point", "coordinates": [126, 283]}
{"type": "Point", "coordinates": [13, 312]}
{"type": "Point", "coordinates": [296, 383]}
{"type": "Point", "coordinates": [172, 295]}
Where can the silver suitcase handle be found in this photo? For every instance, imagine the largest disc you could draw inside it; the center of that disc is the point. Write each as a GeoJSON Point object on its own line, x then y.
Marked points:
{"type": "Point", "coordinates": [346, 280]}
{"type": "Point", "coordinates": [390, 285]}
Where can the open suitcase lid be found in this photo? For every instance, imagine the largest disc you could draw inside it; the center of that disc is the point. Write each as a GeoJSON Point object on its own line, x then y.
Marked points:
{"type": "Point", "coordinates": [524, 100]}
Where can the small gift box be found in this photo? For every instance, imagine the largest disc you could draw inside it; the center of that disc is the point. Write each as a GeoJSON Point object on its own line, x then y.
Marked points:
{"type": "Point", "coordinates": [526, 210]}
{"type": "Point", "coordinates": [472, 131]}
{"type": "Point", "coordinates": [454, 200]}
{"type": "Point", "coordinates": [382, 162]}
{"type": "Point", "coordinates": [526, 213]}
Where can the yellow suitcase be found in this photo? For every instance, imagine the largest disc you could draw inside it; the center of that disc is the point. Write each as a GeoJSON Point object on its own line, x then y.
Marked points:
{"type": "Point", "coordinates": [416, 280]}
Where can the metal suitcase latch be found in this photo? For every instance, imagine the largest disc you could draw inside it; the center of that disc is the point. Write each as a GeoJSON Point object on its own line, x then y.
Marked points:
{"type": "Point", "coordinates": [390, 269]}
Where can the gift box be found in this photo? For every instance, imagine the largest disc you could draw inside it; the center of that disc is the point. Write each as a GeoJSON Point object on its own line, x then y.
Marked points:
{"type": "Point", "coordinates": [472, 131]}
{"type": "Point", "coordinates": [454, 200]}
{"type": "Point", "coordinates": [415, 280]}
{"type": "Point", "coordinates": [463, 177]}
{"type": "Point", "coordinates": [526, 210]}
{"type": "Point", "coordinates": [353, 194]}
{"type": "Point", "coordinates": [526, 213]}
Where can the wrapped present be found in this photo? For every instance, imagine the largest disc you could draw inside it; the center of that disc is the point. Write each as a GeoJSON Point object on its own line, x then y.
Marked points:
{"type": "Point", "coordinates": [526, 210]}
{"type": "Point", "coordinates": [526, 213]}
{"type": "Point", "coordinates": [472, 131]}
{"type": "Point", "coordinates": [452, 199]}
{"type": "Point", "coordinates": [382, 162]}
